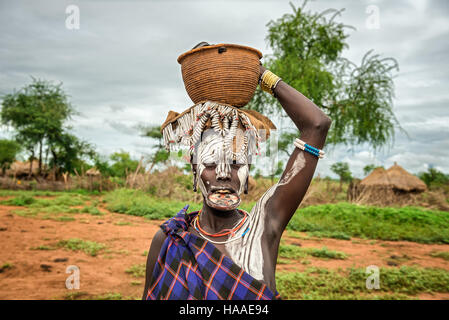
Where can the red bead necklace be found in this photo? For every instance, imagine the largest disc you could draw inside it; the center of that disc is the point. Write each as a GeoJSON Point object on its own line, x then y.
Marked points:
{"type": "Point", "coordinates": [223, 232]}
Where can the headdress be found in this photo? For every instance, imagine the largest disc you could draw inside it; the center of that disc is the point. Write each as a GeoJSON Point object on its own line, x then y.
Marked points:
{"type": "Point", "coordinates": [186, 128]}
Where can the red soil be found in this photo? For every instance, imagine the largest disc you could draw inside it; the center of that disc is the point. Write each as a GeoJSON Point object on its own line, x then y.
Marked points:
{"type": "Point", "coordinates": [126, 244]}
{"type": "Point", "coordinates": [102, 274]}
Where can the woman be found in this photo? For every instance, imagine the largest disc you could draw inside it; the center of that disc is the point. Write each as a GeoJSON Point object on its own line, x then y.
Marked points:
{"type": "Point", "coordinates": [222, 252]}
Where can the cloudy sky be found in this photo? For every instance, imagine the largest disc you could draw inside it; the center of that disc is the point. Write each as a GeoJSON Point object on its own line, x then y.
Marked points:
{"type": "Point", "coordinates": [120, 68]}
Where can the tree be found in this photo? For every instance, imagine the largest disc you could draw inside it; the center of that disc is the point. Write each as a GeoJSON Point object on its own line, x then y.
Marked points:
{"type": "Point", "coordinates": [102, 165]}
{"type": "Point", "coordinates": [279, 169]}
{"type": "Point", "coordinates": [341, 169]}
{"type": "Point", "coordinates": [368, 169]}
{"type": "Point", "coordinates": [285, 141]}
{"type": "Point", "coordinates": [69, 152]}
{"type": "Point", "coordinates": [123, 164]}
{"type": "Point", "coordinates": [434, 177]}
{"type": "Point", "coordinates": [307, 53]}
{"type": "Point", "coordinates": [8, 152]}
{"type": "Point", "coordinates": [37, 112]}
{"type": "Point", "coordinates": [159, 155]}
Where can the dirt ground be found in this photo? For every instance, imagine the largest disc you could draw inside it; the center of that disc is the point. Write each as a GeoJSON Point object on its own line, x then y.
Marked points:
{"type": "Point", "coordinates": [41, 274]}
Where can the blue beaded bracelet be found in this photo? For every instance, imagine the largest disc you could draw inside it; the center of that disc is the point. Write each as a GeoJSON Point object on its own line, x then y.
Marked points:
{"type": "Point", "coordinates": [308, 148]}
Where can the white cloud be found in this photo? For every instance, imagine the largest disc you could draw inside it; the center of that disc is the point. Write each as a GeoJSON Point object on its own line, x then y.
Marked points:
{"type": "Point", "coordinates": [120, 68]}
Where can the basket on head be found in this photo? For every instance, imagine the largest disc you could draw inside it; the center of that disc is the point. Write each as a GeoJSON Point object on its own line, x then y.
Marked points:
{"type": "Point", "coordinates": [226, 73]}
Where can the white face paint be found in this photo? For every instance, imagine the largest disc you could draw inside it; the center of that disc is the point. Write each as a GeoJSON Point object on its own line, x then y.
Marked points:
{"type": "Point", "coordinates": [243, 174]}
{"type": "Point", "coordinates": [211, 151]}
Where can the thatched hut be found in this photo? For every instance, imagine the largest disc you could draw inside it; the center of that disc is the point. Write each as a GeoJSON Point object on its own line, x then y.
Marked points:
{"type": "Point", "coordinates": [402, 180]}
{"type": "Point", "coordinates": [394, 186]}
{"type": "Point", "coordinates": [21, 169]}
{"type": "Point", "coordinates": [93, 172]}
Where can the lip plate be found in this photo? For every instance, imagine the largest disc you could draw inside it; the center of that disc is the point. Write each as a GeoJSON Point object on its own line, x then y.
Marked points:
{"type": "Point", "coordinates": [221, 208]}
{"type": "Point", "coordinates": [212, 204]}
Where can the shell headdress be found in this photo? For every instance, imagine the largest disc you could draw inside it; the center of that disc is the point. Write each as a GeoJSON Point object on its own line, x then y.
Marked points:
{"type": "Point", "coordinates": [225, 120]}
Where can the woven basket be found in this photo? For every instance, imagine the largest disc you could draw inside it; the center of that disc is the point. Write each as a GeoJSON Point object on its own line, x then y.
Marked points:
{"type": "Point", "coordinates": [226, 73]}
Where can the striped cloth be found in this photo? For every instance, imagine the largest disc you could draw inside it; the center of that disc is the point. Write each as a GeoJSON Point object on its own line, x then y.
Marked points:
{"type": "Point", "coordinates": [191, 268]}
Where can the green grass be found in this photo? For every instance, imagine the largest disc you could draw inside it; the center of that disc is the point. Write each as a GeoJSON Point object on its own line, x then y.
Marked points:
{"type": "Point", "coordinates": [52, 209]}
{"type": "Point", "coordinates": [93, 210]}
{"type": "Point", "coordinates": [81, 295]}
{"type": "Point", "coordinates": [329, 234]}
{"type": "Point", "coordinates": [26, 213]}
{"type": "Point", "coordinates": [89, 247]}
{"type": "Point", "coordinates": [17, 193]}
{"type": "Point", "coordinates": [296, 235]}
{"type": "Point", "coordinates": [63, 218]}
{"type": "Point", "coordinates": [22, 200]}
{"type": "Point", "coordinates": [139, 203]}
{"type": "Point", "coordinates": [290, 251]}
{"type": "Point", "coordinates": [6, 266]}
{"type": "Point", "coordinates": [123, 223]}
{"type": "Point", "coordinates": [76, 295]}
{"type": "Point", "coordinates": [395, 283]}
{"type": "Point", "coordinates": [55, 213]}
{"type": "Point", "coordinates": [283, 261]}
{"type": "Point", "coordinates": [46, 193]}
{"type": "Point", "coordinates": [109, 296]}
{"type": "Point", "coordinates": [42, 247]}
{"type": "Point", "coordinates": [325, 253]}
{"type": "Point", "coordinates": [26, 199]}
{"type": "Point", "coordinates": [408, 223]}
{"type": "Point", "coordinates": [294, 252]}
{"type": "Point", "coordinates": [441, 254]}
{"type": "Point", "coordinates": [137, 270]}
{"type": "Point", "coordinates": [339, 221]}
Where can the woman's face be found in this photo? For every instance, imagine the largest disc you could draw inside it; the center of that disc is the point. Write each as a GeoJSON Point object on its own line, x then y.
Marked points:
{"type": "Point", "coordinates": [220, 179]}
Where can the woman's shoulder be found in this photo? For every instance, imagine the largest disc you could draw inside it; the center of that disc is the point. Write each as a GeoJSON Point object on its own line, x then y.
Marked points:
{"type": "Point", "coordinates": [179, 222]}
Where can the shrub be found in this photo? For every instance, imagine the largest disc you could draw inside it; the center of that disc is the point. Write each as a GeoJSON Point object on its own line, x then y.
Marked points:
{"type": "Point", "coordinates": [396, 283]}
{"type": "Point", "coordinates": [407, 223]}
{"type": "Point", "coordinates": [137, 270]}
{"type": "Point", "coordinates": [139, 203]}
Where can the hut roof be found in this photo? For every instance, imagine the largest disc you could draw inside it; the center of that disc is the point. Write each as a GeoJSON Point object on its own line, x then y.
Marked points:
{"type": "Point", "coordinates": [19, 167]}
{"type": "Point", "coordinates": [395, 177]}
{"type": "Point", "coordinates": [403, 180]}
{"type": "Point", "coordinates": [93, 172]}
{"type": "Point", "coordinates": [377, 178]}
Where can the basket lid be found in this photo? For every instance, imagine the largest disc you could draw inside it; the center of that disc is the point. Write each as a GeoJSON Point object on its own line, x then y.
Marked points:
{"type": "Point", "coordinates": [182, 56]}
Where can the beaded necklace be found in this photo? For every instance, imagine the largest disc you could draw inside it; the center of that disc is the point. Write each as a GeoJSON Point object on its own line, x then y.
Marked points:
{"type": "Point", "coordinates": [221, 233]}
